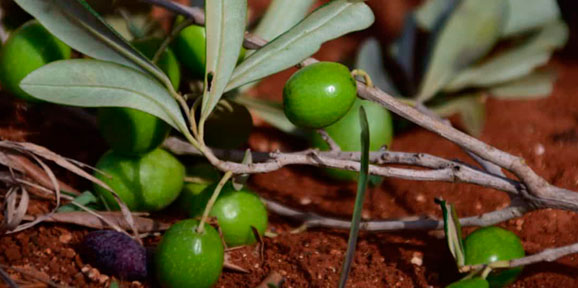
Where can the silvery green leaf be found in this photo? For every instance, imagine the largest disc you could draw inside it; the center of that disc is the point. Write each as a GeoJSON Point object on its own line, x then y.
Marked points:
{"type": "Point", "coordinates": [95, 83]}
{"type": "Point", "coordinates": [84, 199]}
{"type": "Point", "coordinates": [240, 180]}
{"type": "Point", "coordinates": [471, 108]}
{"type": "Point", "coordinates": [369, 58]}
{"type": "Point", "coordinates": [77, 25]}
{"type": "Point", "coordinates": [429, 14]}
{"type": "Point", "coordinates": [526, 15]}
{"type": "Point", "coordinates": [515, 62]}
{"type": "Point", "coordinates": [453, 231]}
{"type": "Point", "coordinates": [470, 33]}
{"type": "Point", "coordinates": [271, 112]}
{"type": "Point", "coordinates": [280, 16]}
{"type": "Point", "coordinates": [534, 86]}
{"type": "Point", "coordinates": [330, 21]}
{"type": "Point", "coordinates": [225, 25]}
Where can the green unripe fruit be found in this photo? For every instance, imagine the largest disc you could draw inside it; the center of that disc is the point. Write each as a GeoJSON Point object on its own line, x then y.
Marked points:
{"type": "Point", "coordinates": [145, 183]}
{"type": "Point", "coordinates": [319, 94]}
{"type": "Point", "coordinates": [229, 126]}
{"type": "Point", "coordinates": [190, 47]}
{"type": "Point", "coordinates": [236, 212]}
{"type": "Point", "coordinates": [185, 258]}
{"type": "Point", "coordinates": [470, 283]}
{"type": "Point", "coordinates": [203, 174]}
{"type": "Point", "coordinates": [130, 131]}
{"type": "Point", "coordinates": [490, 244]}
{"type": "Point", "coordinates": [167, 61]}
{"type": "Point", "coordinates": [346, 131]}
{"type": "Point", "coordinates": [27, 49]}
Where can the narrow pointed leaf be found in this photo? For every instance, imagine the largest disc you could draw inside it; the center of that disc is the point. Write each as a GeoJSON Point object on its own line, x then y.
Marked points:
{"type": "Point", "coordinates": [470, 108]}
{"type": "Point", "coordinates": [369, 59]}
{"type": "Point", "coordinates": [225, 25]}
{"type": "Point", "coordinates": [526, 15]}
{"type": "Point", "coordinates": [94, 83]}
{"type": "Point", "coordinates": [240, 180]}
{"type": "Point", "coordinates": [515, 62]}
{"type": "Point", "coordinates": [84, 199]}
{"type": "Point", "coordinates": [534, 86]}
{"type": "Point", "coordinates": [271, 112]}
{"type": "Point", "coordinates": [361, 189]}
{"type": "Point", "coordinates": [280, 16]}
{"type": "Point", "coordinates": [469, 34]}
{"type": "Point", "coordinates": [406, 43]}
{"type": "Point", "coordinates": [453, 231]}
{"type": "Point", "coordinates": [431, 12]}
{"type": "Point", "coordinates": [77, 25]}
{"type": "Point", "coordinates": [330, 21]}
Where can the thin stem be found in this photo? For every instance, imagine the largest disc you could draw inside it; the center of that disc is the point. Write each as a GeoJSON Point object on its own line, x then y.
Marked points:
{"type": "Point", "coordinates": [167, 41]}
{"type": "Point", "coordinates": [212, 201]}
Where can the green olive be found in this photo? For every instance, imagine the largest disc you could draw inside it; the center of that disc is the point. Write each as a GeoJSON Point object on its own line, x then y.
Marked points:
{"type": "Point", "coordinates": [167, 61]}
{"type": "Point", "coordinates": [27, 49]}
{"type": "Point", "coordinates": [490, 244]}
{"type": "Point", "coordinates": [130, 131]}
{"type": "Point", "coordinates": [318, 95]}
{"type": "Point", "coordinates": [185, 258]}
{"type": "Point", "coordinates": [229, 126]}
{"type": "Point", "coordinates": [203, 175]}
{"type": "Point", "coordinates": [190, 47]}
{"type": "Point", "coordinates": [145, 183]}
{"type": "Point", "coordinates": [346, 131]}
{"type": "Point", "coordinates": [236, 212]}
{"type": "Point", "coordinates": [470, 283]}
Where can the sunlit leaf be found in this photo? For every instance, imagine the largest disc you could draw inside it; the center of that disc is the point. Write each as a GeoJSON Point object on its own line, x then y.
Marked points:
{"type": "Point", "coordinates": [361, 189]}
{"type": "Point", "coordinates": [77, 25]}
{"type": "Point", "coordinates": [330, 21]}
{"type": "Point", "coordinates": [470, 108]}
{"type": "Point", "coordinates": [453, 231]}
{"type": "Point", "coordinates": [514, 62]}
{"type": "Point", "coordinates": [369, 58]}
{"type": "Point", "coordinates": [469, 34]}
{"type": "Point", "coordinates": [280, 16]}
{"type": "Point", "coordinates": [271, 112]}
{"type": "Point", "coordinates": [225, 25]}
{"type": "Point", "coordinates": [534, 86]}
{"type": "Point", "coordinates": [525, 15]}
{"type": "Point", "coordinates": [94, 83]}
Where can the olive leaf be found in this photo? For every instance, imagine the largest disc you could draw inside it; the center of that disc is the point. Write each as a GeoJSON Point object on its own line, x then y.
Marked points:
{"type": "Point", "coordinates": [361, 189]}
{"type": "Point", "coordinates": [84, 199]}
{"type": "Point", "coordinates": [433, 12]}
{"type": "Point", "coordinates": [534, 86]}
{"type": "Point", "coordinates": [369, 59]}
{"type": "Point", "coordinates": [470, 33]}
{"type": "Point", "coordinates": [525, 15]}
{"type": "Point", "coordinates": [225, 26]}
{"type": "Point", "coordinates": [406, 46]}
{"type": "Point", "coordinates": [280, 16]}
{"type": "Point", "coordinates": [271, 112]}
{"type": "Point", "coordinates": [453, 232]}
{"type": "Point", "coordinates": [95, 83]}
{"type": "Point", "coordinates": [77, 25]}
{"type": "Point", "coordinates": [330, 21]}
{"type": "Point", "coordinates": [514, 62]}
{"type": "Point", "coordinates": [471, 108]}
{"type": "Point", "coordinates": [240, 180]}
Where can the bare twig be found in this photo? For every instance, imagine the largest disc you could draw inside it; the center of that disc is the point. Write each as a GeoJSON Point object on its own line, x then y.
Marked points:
{"type": "Point", "coordinates": [333, 146]}
{"type": "Point", "coordinates": [312, 220]}
{"type": "Point", "coordinates": [90, 220]}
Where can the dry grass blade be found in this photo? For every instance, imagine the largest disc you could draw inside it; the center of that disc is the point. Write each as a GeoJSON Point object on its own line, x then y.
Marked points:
{"type": "Point", "coordinates": [37, 152]}
{"type": "Point", "coordinates": [91, 220]}
{"type": "Point", "coordinates": [16, 205]}
{"type": "Point", "coordinates": [6, 278]}
{"type": "Point", "coordinates": [34, 274]}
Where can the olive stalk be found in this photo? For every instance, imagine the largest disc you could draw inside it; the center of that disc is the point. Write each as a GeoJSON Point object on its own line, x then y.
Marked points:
{"type": "Point", "coordinates": [213, 199]}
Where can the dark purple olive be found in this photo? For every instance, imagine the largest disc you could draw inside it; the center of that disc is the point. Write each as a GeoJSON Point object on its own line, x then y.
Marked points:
{"type": "Point", "coordinates": [115, 253]}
